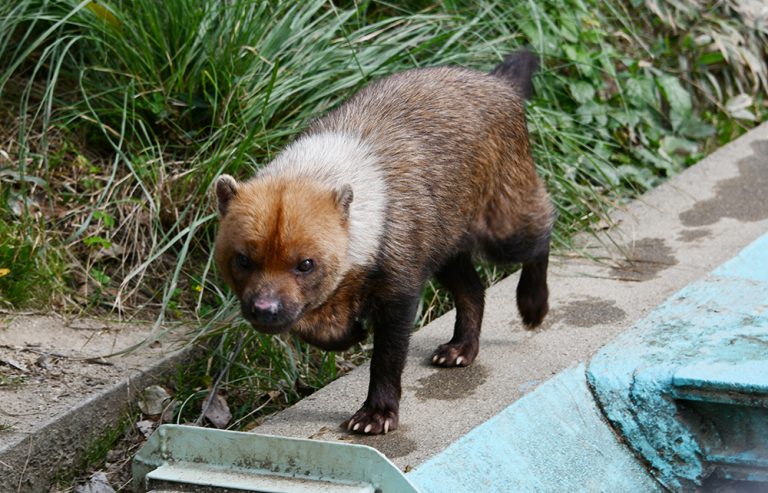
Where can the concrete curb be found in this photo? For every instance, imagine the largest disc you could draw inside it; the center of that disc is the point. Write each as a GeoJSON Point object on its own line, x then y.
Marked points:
{"type": "Point", "coordinates": [674, 235]}
{"type": "Point", "coordinates": [50, 430]}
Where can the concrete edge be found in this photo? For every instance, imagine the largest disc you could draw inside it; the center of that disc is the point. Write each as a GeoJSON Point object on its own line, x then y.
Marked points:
{"type": "Point", "coordinates": [32, 462]}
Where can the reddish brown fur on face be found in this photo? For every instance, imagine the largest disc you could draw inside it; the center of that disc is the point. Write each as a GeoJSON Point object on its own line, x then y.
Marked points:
{"type": "Point", "coordinates": [277, 223]}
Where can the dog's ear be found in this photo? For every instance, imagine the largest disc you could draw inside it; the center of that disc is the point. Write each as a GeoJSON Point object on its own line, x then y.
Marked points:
{"type": "Point", "coordinates": [226, 189]}
{"type": "Point", "coordinates": [344, 198]}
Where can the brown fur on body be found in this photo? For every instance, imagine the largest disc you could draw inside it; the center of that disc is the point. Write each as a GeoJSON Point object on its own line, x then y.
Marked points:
{"type": "Point", "coordinates": [458, 166]}
{"type": "Point", "coordinates": [449, 148]}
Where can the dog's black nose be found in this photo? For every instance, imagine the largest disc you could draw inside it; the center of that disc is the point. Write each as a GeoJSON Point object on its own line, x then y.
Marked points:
{"type": "Point", "coordinates": [265, 310]}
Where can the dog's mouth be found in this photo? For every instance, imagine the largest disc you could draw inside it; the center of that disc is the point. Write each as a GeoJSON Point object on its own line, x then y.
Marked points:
{"type": "Point", "coordinates": [278, 326]}
{"type": "Point", "coordinates": [268, 322]}
{"type": "Point", "coordinates": [273, 329]}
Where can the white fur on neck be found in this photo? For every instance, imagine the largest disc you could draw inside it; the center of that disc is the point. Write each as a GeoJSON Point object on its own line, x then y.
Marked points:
{"type": "Point", "coordinates": [337, 159]}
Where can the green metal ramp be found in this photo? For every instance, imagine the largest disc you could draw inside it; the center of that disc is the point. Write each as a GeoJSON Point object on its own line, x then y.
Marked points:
{"type": "Point", "coordinates": [196, 460]}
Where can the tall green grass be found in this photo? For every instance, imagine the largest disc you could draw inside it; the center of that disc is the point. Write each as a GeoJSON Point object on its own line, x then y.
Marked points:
{"type": "Point", "coordinates": [118, 115]}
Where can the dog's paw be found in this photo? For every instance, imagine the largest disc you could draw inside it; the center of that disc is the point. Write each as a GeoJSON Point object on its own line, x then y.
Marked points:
{"type": "Point", "coordinates": [455, 354]}
{"type": "Point", "coordinates": [369, 421]}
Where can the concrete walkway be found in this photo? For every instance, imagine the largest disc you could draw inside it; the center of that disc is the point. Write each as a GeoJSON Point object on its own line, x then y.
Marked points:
{"type": "Point", "coordinates": [674, 235]}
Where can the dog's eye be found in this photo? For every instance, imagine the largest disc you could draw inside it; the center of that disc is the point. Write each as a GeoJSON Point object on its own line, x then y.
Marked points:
{"type": "Point", "coordinates": [305, 266]}
{"type": "Point", "coordinates": [243, 262]}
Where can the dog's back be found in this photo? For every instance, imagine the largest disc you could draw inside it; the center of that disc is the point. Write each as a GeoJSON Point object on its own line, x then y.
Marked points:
{"type": "Point", "coordinates": [452, 147]}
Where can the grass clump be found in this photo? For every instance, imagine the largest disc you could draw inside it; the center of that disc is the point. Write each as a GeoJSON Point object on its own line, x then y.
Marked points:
{"type": "Point", "coordinates": [26, 264]}
{"type": "Point", "coordinates": [119, 115]}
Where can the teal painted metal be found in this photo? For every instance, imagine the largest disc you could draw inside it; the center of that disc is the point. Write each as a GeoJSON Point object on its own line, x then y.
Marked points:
{"type": "Point", "coordinates": [688, 385]}
{"type": "Point", "coordinates": [215, 460]}
{"type": "Point", "coordinates": [552, 440]}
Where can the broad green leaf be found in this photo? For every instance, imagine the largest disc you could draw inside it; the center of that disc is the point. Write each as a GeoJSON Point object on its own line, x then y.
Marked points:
{"type": "Point", "coordinates": [581, 91]}
{"type": "Point", "coordinates": [696, 129]}
{"type": "Point", "coordinates": [640, 91]}
{"type": "Point", "coordinates": [679, 99]}
{"type": "Point", "coordinates": [678, 145]}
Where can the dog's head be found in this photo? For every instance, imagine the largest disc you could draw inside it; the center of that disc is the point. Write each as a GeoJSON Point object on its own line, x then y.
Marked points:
{"type": "Point", "coordinates": [282, 245]}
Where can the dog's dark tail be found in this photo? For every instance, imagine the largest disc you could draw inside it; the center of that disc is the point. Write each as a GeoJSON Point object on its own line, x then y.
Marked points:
{"type": "Point", "coordinates": [517, 69]}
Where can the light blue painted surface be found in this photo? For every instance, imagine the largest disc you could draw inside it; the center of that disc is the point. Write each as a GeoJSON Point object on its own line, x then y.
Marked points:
{"type": "Point", "coordinates": [706, 346]}
{"type": "Point", "coordinates": [552, 440]}
{"type": "Point", "coordinates": [745, 376]}
{"type": "Point", "coordinates": [751, 263]}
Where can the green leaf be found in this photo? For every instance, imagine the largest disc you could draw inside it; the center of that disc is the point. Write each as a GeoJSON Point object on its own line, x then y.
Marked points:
{"type": "Point", "coordinates": [696, 129]}
{"type": "Point", "coordinates": [580, 57]}
{"type": "Point", "coordinates": [100, 277]}
{"type": "Point", "coordinates": [581, 91]}
{"type": "Point", "coordinates": [592, 111]}
{"type": "Point", "coordinates": [640, 92]}
{"type": "Point", "coordinates": [679, 99]}
{"type": "Point", "coordinates": [676, 145]}
{"type": "Point", "coordinates": [628, 118]}
{"type": "Point", "coordinates": [104, 217]}
{"type": "Point", "coordinates": [568, 28]}
{"type": "Point", "coordinates": [711, 58]}
{"type": "Point", "coordinates": [97, 241]}
{"type": "Point", "coordinates": [637, 175]}
{"type": "Point", "coordinates": [658, 161]}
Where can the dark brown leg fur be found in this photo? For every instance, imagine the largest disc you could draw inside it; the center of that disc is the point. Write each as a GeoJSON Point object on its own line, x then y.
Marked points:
{"type": "Point", "coordinates": [532, 291]}
{"type": "Point", "coordinates": [532, 250]}
{"type": "Point", "coordinates": [459, 277]}
{"type": "Point", "coordinates": [392, 325]}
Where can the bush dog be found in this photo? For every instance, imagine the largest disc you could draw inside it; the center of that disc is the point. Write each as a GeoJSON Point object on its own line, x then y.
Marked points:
{"type": "Point", "coordinates": [408, 179]}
